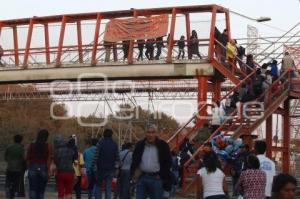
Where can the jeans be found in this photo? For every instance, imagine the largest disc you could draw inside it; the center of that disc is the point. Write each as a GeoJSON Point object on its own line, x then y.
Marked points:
{"type": "Point", "coordinates": [124, 184]}
{"type": "Point", "coordinates": [38, 177]}
{"type": "Point", "coordinates": [107, 177]}
{"type": "Point", "coordinates": [181, 51]}
{"type": "Point", "coordinates": [141, 52]}
{"type": "Point", "coordinates": [12, 181]}
{"type": "Point", "coordinates": [149, 186]}
{"type": "Point", "coordinates": [77, 187]}
{"type": "Point", "coordinates": [149, 53]}
{"type": "Point", "coordinates": [173, 189]}
{"type": "Point", "coordinates": [21, 187]}
{"type": "Point", "coordinates": [158, 53]}
{"type": "Point", "coordinates": [91, 183]}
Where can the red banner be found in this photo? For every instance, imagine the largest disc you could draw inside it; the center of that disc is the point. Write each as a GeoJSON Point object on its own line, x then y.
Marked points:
{"type": "Point", "coordinates": [136, 28]}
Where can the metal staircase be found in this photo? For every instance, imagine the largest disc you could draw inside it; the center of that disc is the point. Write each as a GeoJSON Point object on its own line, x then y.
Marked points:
{"type": "Point", "coordinates": [241, 122]}
{"type": "Point", "coordinates": [238, 124]}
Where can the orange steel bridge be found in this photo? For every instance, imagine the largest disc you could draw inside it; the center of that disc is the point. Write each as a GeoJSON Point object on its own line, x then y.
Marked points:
{"type": "Point", "coordinates": [41, 49]}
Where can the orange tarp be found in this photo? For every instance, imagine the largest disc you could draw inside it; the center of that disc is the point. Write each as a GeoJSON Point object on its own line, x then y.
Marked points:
{"type": "Point", "coordinates": [136, 28]}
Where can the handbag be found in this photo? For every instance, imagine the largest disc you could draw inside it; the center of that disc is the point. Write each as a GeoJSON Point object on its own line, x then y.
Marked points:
{"type": "Point", "coordinates": [84, 182]}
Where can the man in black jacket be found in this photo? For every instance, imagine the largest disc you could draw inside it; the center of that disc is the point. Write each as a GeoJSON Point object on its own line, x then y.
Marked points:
{"type": "Point", "coordinates": [151, 166]}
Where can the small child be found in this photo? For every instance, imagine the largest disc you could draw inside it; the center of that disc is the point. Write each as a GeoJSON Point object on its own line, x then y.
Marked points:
{"type": "Point", "coordinates": [181, 46]}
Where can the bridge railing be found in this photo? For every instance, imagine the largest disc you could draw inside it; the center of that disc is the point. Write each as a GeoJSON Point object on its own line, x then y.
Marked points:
{"type": "Point", "coordinates": [63, 40]}
{"type": "Point", "coordinates": [115, 51]}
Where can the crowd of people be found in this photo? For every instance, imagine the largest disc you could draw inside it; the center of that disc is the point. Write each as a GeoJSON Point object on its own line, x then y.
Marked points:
{"type": "Point", "coordinates": [146, 169]}
{"type": "Point", "coordinates": [256, 179]}
{"type": "Point", "coordinates": [150, 44]}
{"type": "Point", "coordinates": [253, 174]}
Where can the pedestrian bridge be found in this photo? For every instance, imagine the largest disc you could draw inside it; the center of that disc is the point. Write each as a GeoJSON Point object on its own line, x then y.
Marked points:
{"type": "Point", "coordinates": [70, 46]}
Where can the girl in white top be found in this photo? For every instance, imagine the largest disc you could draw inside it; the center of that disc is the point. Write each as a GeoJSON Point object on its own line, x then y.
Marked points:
{"type": "Point", "coordinates": [211, 182]}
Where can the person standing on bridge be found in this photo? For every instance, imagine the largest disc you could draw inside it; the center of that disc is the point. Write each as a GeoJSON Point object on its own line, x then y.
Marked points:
{"type": "Point", "coordinates": [181, 46]}
{"type": "Point", "coordinates": [151, 166]}
{"type": "Point", "coordinates": [107, 46]}
{"type": "Point", "coordinates": [38, 158]}
{"type": "Point", "coordinates": [141, 45]}
{"type": "Point", "coordinates": [159, 46]}
{"type": "Point", "coordinates": [15, 158]}
{"type": "Point", "coordinates": [125, 47]}
{"type": "Point", "coordinates": [194, 45]}
{"type": "Point", "coordinates": [150, 49]}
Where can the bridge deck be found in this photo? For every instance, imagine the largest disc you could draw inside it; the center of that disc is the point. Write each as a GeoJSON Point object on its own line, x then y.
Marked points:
{"type": "Point", "coordinates": [116, 71]}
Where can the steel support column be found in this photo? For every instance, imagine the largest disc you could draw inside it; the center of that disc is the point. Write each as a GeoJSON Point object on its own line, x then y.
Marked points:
{"type": "Point", "coordinates": [216, 90]}
{"type": "Point", "coordinates": [28, 42]}
{"type": "Point", "coordinates": [188, 29]}
{"type": "Point", "coordinates": [227, 18]}
{"type": "Point", "coordinates": [212, 34]}
{"type": "Point", "coordinates": [115, 52]}
{"type": "Point", "coordinates": [79, 41]}
{"type": "Point", "coordinates": [47, 45]}
{"type": "Point", "coordinates": [131, 43]}
{"type": "Point", "coordinates": [96, 37]}
{"type": "Point", "coordinates": [286, 138]}
{"type": "Point", "coordinates": [269, 136]}
{"type": "Point", "coordinates": [61, 40]}
{"type": "Point", "coordinates": [16, 45]}
{"type": "Point", "coordinates": [202, 99]}
{"type": "Point", "coordinates": [171, 38]}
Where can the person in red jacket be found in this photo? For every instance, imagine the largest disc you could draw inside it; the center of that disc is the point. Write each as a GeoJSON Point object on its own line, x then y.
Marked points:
{"type": "Point", "coordinates": [38, 161]}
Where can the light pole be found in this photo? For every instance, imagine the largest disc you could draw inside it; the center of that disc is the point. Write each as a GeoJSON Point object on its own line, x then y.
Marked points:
{"type": "Point", "coordinates": [260, 19]}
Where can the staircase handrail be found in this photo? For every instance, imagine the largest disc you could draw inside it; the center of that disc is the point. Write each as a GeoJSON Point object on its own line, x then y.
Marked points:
{"type": "Point", "coordinates": [279, 48]}
{"type": "Point", "coordinates": [225, 96]}
{"type": "Point", "coordinates": [229, 118]}
{"type": "Point", "coordinates": [200, 149]}
{"type": "Point", "coordinates": [276, 41]}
